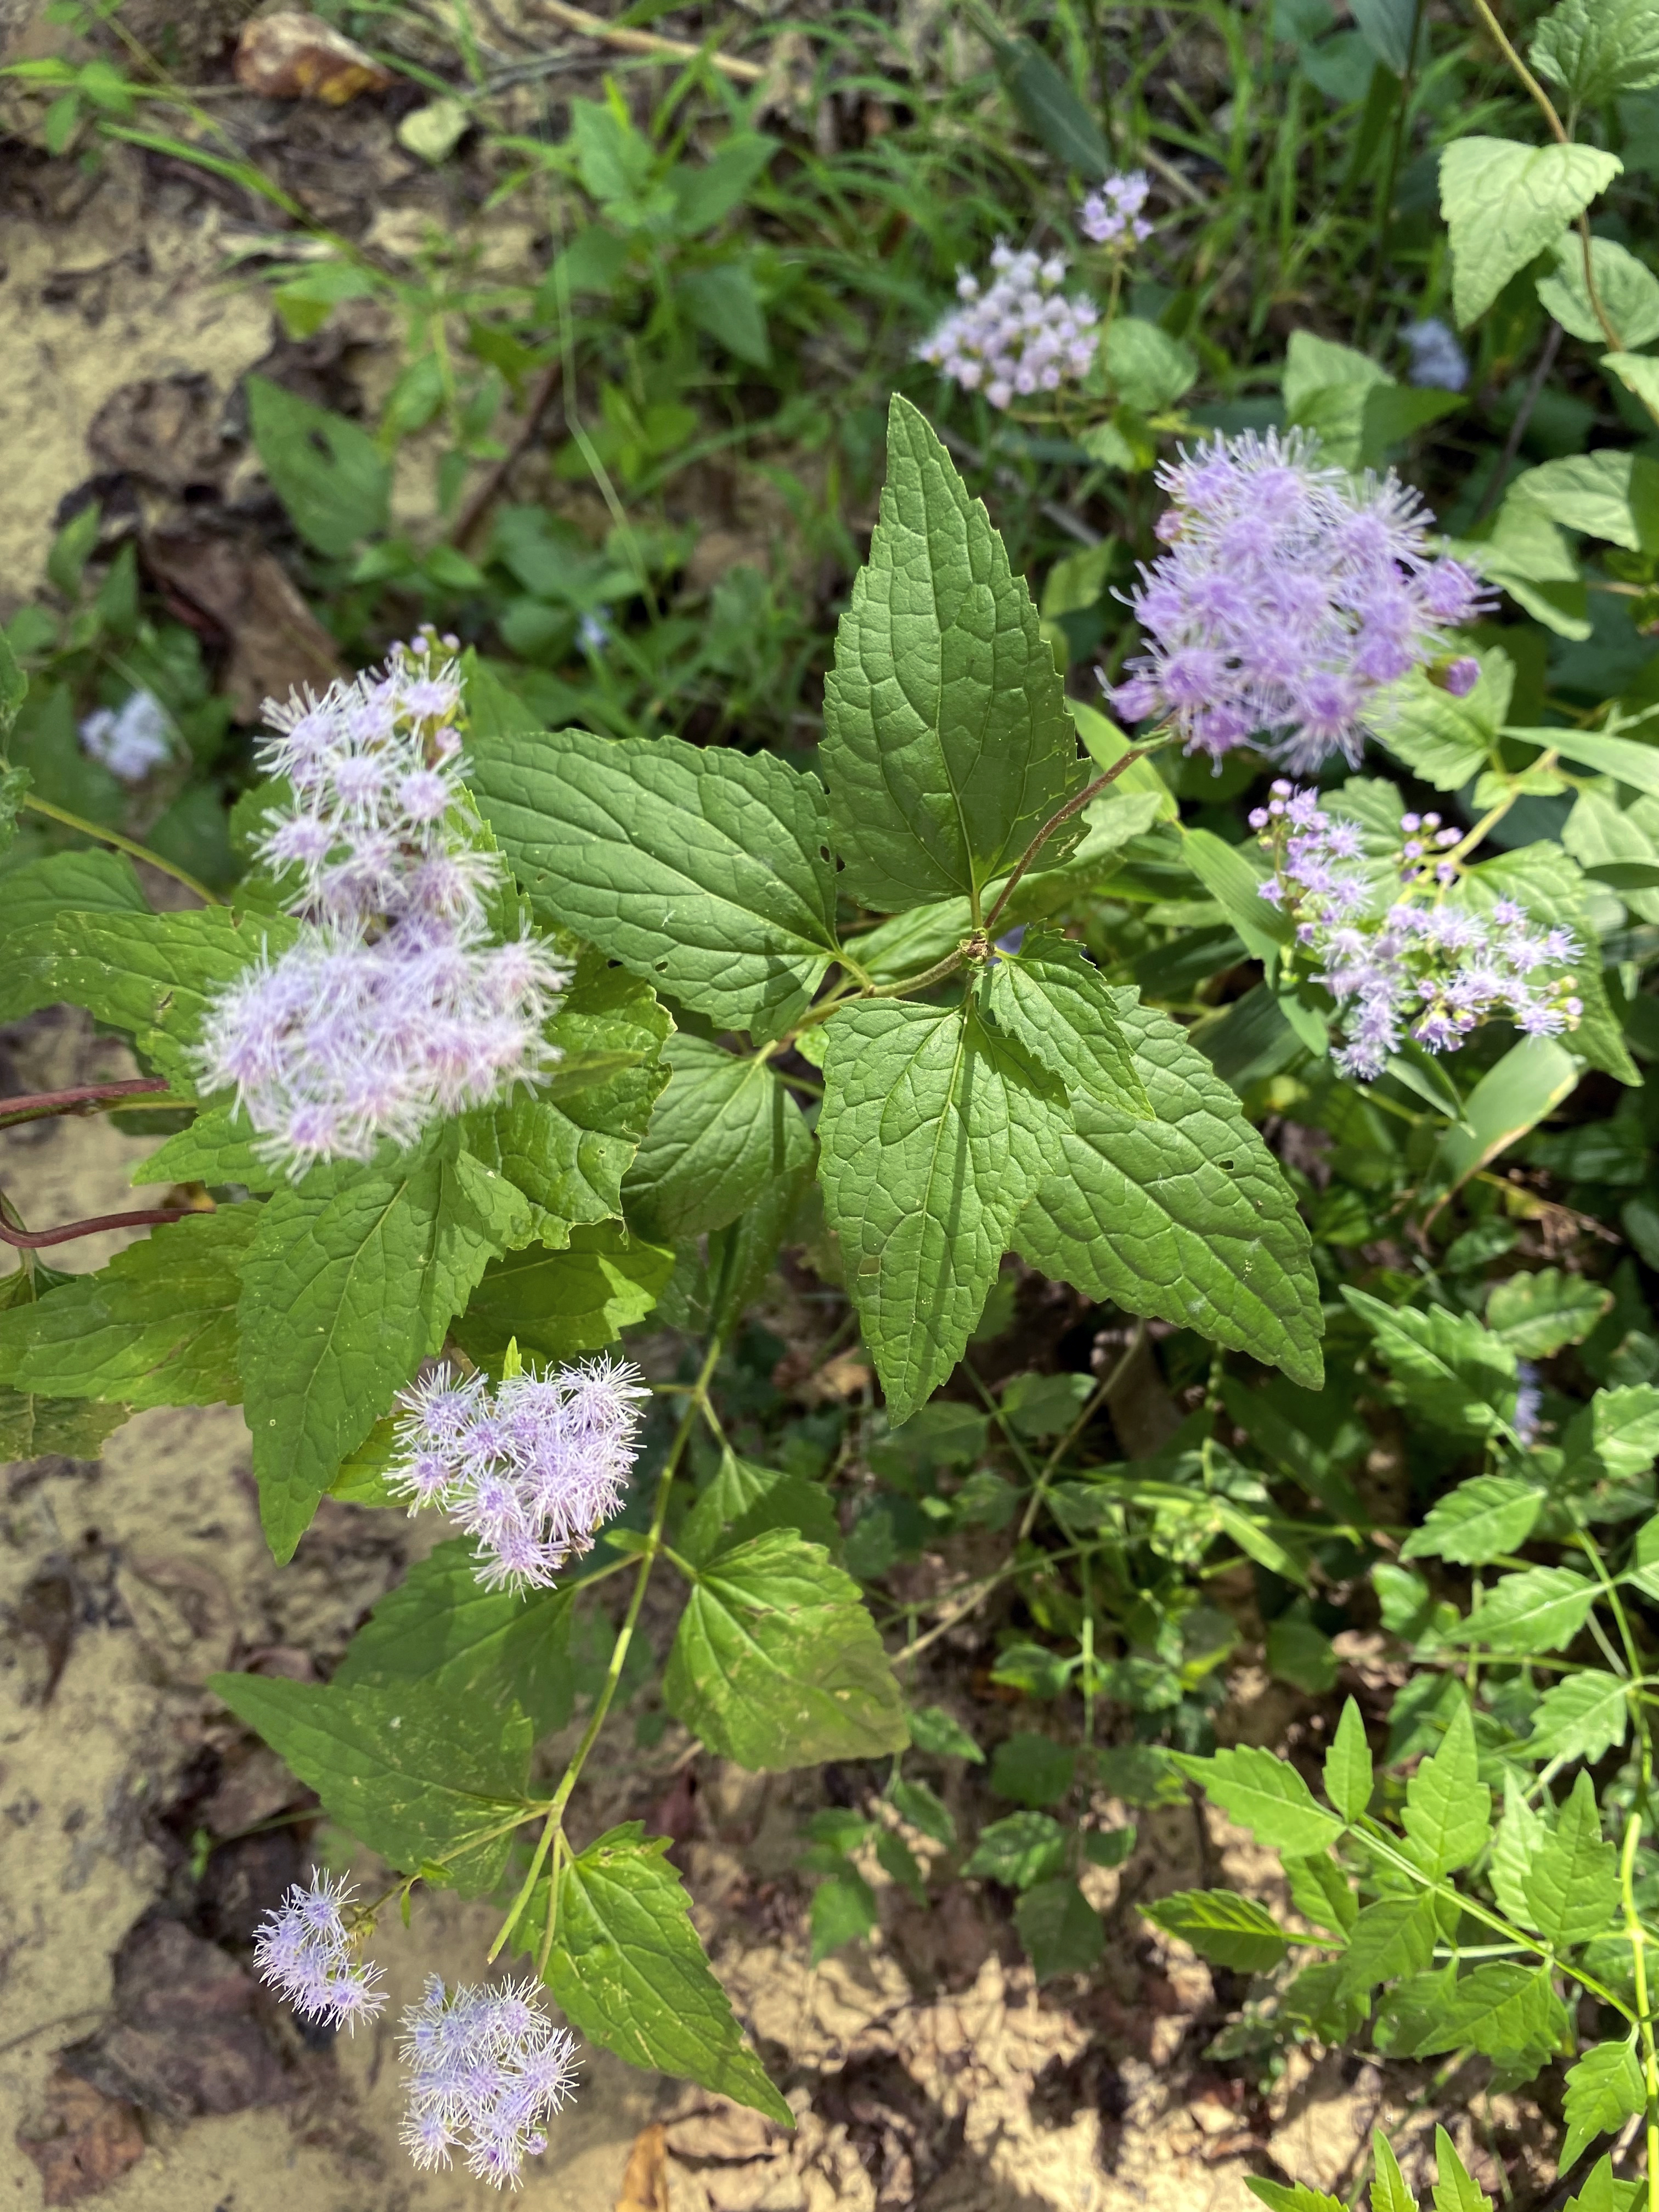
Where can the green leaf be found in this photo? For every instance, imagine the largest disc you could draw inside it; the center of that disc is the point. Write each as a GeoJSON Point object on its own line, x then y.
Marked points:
{"type": "Point", "coordinates": [1618, 1431]}
{"type": "Point", "coordinates": [629, 1972]}
{"type": "Point", "coordinates": [1231, 875]}
{"type": "Point", "coordinates": [71, 1428]}
{"type": "Point", "coordinates": [1628, 289]}
{"type": "Point", "coordinates": [1624, 757]}
{"type": "Point", "coordinates": [1480, 1520]}
{"type": "Point", "coordinates": [1389, 2190]}
{"type": "Point", "coordinates": [1572, 1884]}
{"type": "Point", "coordinates": [1502, 2009]}
{"type": "Point", "coordinates": [1052, 1000]}
{"type": "Point", "coordinates": [1597, 493]}
{"type": "Point", "coordinates": [1584, 1714]}
{"type": "Point", "coordinates": [1187, 1218]}
{"type": "Point", "coordinates": [1023, 1848]}
{"type": "Point", "coordinates": [707, 872]}
{"type": "Point", "coordinates": [560, 1303]}
{"type": "Point", "coordinates": [418, 1776]}
{"type": "Point", "coordinates": [1321, 1891]}
{"type": "Point", "coordinates": [725, 303]}
{"type": "Point", "coordinates": [439, 1629]}
{"type": "Point", "coordinates": [706, 195]}
{"type": "Point", "coordinates": [1390, 1941]}
{"type": "Point", "coordinates": [157, 1326]}
{"type": "Point", "coordinates": [844, 1910]}
{"type": "Point", "coordinates": [1447, 740]}
{"type": "Point", "coordinates": [1504, 203]}
{"type": "Point", "coordinates": [1327, 386]}
{"type": "Point", "coordinates": [745, 1500]}
{"type": "Point", "coordinates": [1530, 1082]}
{"type": "Point", "coordinates": [1540, 1609]}
{"type": "Point", "coordinates": [1448, 1806]}
{"type": "Point", "coordinates": [153, 975]}
{"type": "Point", "coordinates": [352, 1280]}
{"type": "Point", "coordinates": [1348, 1776]}
{"type": "Point", "coordinates": [1060, 1929]}
{"type": "Point", "coordinates": [14, 685]}
{"type": "Point", "coordinates": [1526, 553]}
{"type": "Point", "coordinates": [924, 1809]}
{"type": "Point", "coordinates": [777, 1662]}
{"type": "Point", "coordinates": [723, 1128]}
{"type": "Point", "coordinates": [947, 745]}
{"type": "Point", "coordinates": [1267, 1796]}
{"type": "Point", "coordinates": [1051, 110]}
{"type": "Point", "coordinates": [1639, 373]}
{"type": "Point", "coordinates": [932, 1729]}
{"type": "Point", "coordinates": [1032, 1769]}
{"type": "Point", "coordinates": [1535, 1315]}
{"type": "Point", "coordinates": [217, 1148]}
{"type": "Point", "coordinates": [1447, 1366]}
{"type": "Point", "coordinates": [1596, 49]}
{"type": "Point", "coordinates": [931, 1133]}
{"type": "Point", "coordinates": [328, 473]}
{"type": "Point", "coordinates": [1602, 2193]}
{"type": "Point", "coordinates": [1291, 2196]}
{"type": "Point", "coordinates": [1454, 2190]}
{"type": "Point", "coordinates": [1145, 366]}
{"type": "Point", "coordinates": [1227, 1930]}
{"type": "Point", "coordinates": [1602, 2090]}
{"type": "Point", "coordinates": [1516, 1842]}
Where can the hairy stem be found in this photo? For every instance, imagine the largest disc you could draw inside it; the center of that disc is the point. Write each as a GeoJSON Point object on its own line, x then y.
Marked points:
{"type": "Point", "coordinates": [86, 1098]}
{"type": "Point", "coordinates": [1638, 1934]}
{"type": "Point", "coordinates": [1058, 821]}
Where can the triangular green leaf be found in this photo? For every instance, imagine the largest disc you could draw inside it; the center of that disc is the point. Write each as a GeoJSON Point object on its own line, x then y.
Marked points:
{"type": "Point", "coordinates": [1389, 2190]}
{"type": "Point", "coordinates": [1448, 1806]}
{"type": "Point", "coordinates": [416, 1775]}
{"type": "Point", "coordinates": [1505, 203]}
{"type": "Point", "coordinates": [1187, 1218]}
{"type": "Point", "coordinates": [560, 1303]}
{"type": "Point", "coordinates": [723, 1128]}
{"type": "Point", "coordinates": [1603, 2090]}
{"type": "Point", "coordinates": [947, 745]}
{"type": "Point", "coordinates": [1454, 2190]}
{"type": "Point", "coordinates": [1054, 1001]}
{"type": "Point", "coordinates": [1535, 1315]}
{"type": "Point", "coordinates": [1391, 1941]}
{"type": "Point", "coordinates": [1484, 1518]}
{"type": "Point", "coordinates": [745, 1500]}
{"type": "Point", "coordinates": [1445, 1365]}
{"type": "Point", "coordinates": [1060, 1929]}
{"type": "Point", "coordinates": [777, 1662]}
{"type": "Point", "coordinates": [1595, 49]}
{"type": "Point", "coordinates": [1540, 1609]}
{"type": "Point", "coordinates": [1267, 1796]}
{"type": "Point", "coordinates": [1227, 1930]}
{"type": "Point", "coordinates": [1347, 1776]}
{"type": "Point", "coordinates": [1572, 1884]}
{"type": "Point", "coordinates": [1580, 1716]}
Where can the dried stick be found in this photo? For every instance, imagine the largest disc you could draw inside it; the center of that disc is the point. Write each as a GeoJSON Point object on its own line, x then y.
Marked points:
{"type": "Point", "coordinates": [646, 42]}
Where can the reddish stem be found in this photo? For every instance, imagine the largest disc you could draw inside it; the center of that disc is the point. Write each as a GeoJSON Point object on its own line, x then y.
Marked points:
{"type": "Point", "coordinates": [31, 1240]}
{"type": "Point", "coordinates": [35, 1105]}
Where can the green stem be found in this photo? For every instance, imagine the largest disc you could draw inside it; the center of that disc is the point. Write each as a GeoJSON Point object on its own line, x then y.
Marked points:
{"type": "Point", "coordinates": [1638, 1935]}
{"type": "Point", "coordinates": [122, 845]}
{"type": "Point", "coordinates": [1057, 821]}
{"type": "Point", "coordinates": [550, 1829]}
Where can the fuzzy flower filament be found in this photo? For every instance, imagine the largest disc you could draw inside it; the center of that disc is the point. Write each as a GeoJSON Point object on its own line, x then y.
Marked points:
{"type": "Point", "coordinates": [1424, 967]}
{"type": "Point", "coordinates": [304, 1951]}
{"type": "Point", "coordinates": [487, 2070]}
{"type": "Point", "coordinates": [393, 1008]}
{"type": "Point", "coordinates": [1291, 597]}
{"type": "Point", "coordinates": [1018, 336]}
{"type": "Point", "coordinates": [531, 1469]}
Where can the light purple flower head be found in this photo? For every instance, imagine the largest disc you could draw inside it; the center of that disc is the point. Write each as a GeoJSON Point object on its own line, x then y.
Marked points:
{"type": "Point", "coordinates": [487, 2070]}
{"type": "Point", "coordinates": [305, 1952]}
{"type": "Point", "coordinates": [393, 1008]}
{"type": "Point", "coordinates": [1019, 339]}
{"type": "Point", "coordinates": [1291, 596]}
{"type": "Point", "coordinates": [531, 1470]}
{"type": "Point", "coordinates": [1112, 216]}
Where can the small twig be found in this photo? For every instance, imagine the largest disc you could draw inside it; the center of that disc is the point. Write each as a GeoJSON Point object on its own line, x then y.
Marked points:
{"type": "Point", "coordinates": [646, 42]}
{"type": "Point", "coordinates": [35, 1240]}
{"type": "Point", "coordinates": [1518, 428]}
{"type": "Point", "coordinates": [477, 507]}
{"type": "Point", "coordinates": [129, 845]}
{"type": "Point", "coordinates": [31, 1105]}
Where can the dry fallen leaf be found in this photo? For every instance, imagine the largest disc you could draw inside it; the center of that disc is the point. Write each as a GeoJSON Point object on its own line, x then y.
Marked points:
{"type": "Point", "coordinates": [84, 2141]}
{"type": "Point", "coordinates": [293, 56]}
{"type": "Point", "coordinates": [249, 600]}
{"type": "Point", "coordinates": [645, 2179]}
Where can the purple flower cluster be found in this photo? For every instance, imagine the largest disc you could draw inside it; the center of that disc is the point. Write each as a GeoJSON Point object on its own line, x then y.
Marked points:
{"type": "Point", "coordinates": [1436, 357]}
{"type": "Point", "coordinates": [1423, 964]}
{"type": "Point", "coordinates": [488, 2069]}
{"type": "Point", "coordinates": [1018, 336]}
{"type": "Point", "coordinates": [304, 1952]}
{"type": "Point", "coordinates": [1290, 598]}
{"type": "Point", "coordinates": [530, 1470]}
{"type": "Point", "coordinates": [393, 1009]}
{"type": "Point", "coordinates": [1112, 216]}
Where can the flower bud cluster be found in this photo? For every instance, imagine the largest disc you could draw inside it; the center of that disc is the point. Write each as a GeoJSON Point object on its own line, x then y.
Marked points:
{"type": "Point", "coordinates": [305, 1953]}
{"type": "Point", "coordinates": [530, 1470]}
{"type": "Point", "coordinates": [1018, 335]}
{"type": "Point", "coordinates": [1112, 216]}
{"type": "Point", "coordinates": [1422, 966]}
{"type": "Point", "coordinates": [393, 1008]}
{"type": "Point", "coordinates": [487, 2070]}
{"type": "Point", "coordinates": [1291, 596]}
